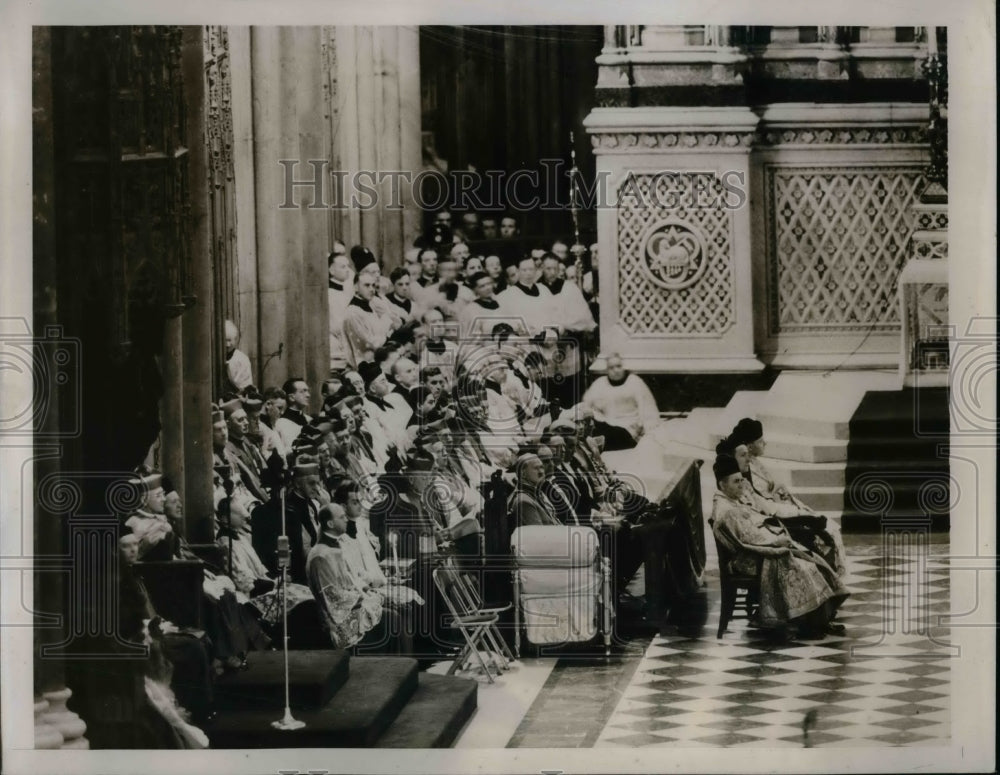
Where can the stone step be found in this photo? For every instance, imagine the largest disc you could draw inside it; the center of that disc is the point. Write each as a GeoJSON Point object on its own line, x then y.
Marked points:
{"type": "Point", "coordinates": [314, 677]}
{"type": "Point", "coordinates": [902, 520]}
{"type": "Point", "coordinates": [814, 475]}
{"type": "Point", "coordinates": [799, 448]}
{"type": "Point", "coordinates": [435, 715]}
{"type": "Point", "coordinates": [778, 422]}
{"type": "Point", "coordinates": [806, 449]}
{"type": "Point", "coordinates": [359, 713]}
{"type": "Point", "coordinates": [822, 499]}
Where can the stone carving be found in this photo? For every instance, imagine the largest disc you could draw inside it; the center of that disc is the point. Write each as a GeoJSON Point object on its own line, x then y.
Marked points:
{"type": "Point", "coordinates": [675, 276]}
{"type": "Point", "coordinates": [628, 141]}
{"type": "Point", "coordinates": [909, 135]}
{"type": "Point", "coordinates": [674, 255]}
{"type": "Point", "coordinates": [929, 245]}
{"type": "Point", "coordinates": [837, 240]}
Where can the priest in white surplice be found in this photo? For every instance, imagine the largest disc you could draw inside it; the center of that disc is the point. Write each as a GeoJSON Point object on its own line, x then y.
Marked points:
{"type": "Point", "coordinates": [341, 290]}
{"type": "Point", "coordinates": [364, 329]}
{"type": "Point", "coordinates": [530, 304]}
{"type": "Point", "coordinates": [623, 406]}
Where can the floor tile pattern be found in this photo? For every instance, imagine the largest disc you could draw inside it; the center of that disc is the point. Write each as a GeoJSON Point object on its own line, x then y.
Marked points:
{"type": "Point", "coordinates": [885, 682]}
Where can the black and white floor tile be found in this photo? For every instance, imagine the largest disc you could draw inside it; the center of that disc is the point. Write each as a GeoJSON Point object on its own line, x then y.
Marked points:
{"type": "Point", "coordinates": [885, 682]}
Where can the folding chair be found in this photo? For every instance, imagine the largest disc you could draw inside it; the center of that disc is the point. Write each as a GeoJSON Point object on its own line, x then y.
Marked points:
{"type": "Point", "coordinates": [474, 624]}
{"type": "Point", "coordinates": [472, 602]}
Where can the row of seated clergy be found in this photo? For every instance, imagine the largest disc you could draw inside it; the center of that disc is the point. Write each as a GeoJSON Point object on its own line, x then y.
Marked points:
{"type": "Point", "coordinates": [531, 308]}
{"type": "Point", "coordinates": [805, 525]}
{"type": "Point", "coordinates": [798, 588]}
{"type": "Point", "coordinates": [231, 627]}
{"type": "Point", "coordinates": [358, 606]}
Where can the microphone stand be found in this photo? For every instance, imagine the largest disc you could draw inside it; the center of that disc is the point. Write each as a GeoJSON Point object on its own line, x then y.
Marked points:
{"type": "Point", "coordinates": [288, 722]}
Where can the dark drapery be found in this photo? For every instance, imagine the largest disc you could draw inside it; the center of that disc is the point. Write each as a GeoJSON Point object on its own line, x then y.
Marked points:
{"type": "Point", "coordinates": [505, 98]}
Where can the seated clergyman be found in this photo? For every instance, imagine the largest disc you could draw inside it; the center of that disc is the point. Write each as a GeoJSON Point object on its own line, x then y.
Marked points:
{"type": "Point", "coordinates": [798, 589]}
{"type": "Point", "coordinates": [353, 610]}
{"type": "Point", "coordinates": [624, 407]}
{"type": "Point", "coordinates": [751, 433]}
{"type": "Point", "coordinates": [810, 529]}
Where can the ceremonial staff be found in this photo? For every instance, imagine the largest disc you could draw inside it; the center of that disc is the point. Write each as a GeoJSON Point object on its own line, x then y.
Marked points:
{"type": "Point", "coordinates": [574, 207]}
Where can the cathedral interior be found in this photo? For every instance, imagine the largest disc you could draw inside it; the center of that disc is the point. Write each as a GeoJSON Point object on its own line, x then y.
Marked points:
{"type": "Point", "coordinates": [752, 224]}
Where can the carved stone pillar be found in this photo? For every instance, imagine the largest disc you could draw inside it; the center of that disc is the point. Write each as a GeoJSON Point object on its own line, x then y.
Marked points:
{"type": "Point", "coordinates": [674, 237]}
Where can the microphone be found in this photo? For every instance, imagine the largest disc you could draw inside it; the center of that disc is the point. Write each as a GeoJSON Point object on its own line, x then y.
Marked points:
{"type": "Point", "coordinates": [284, 552]}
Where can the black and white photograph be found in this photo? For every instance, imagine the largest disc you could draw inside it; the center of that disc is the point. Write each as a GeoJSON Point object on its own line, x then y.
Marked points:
{"type": "Point", "coordinates": [500, 391]}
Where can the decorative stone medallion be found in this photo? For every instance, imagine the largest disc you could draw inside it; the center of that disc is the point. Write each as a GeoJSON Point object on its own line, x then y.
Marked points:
{"type": "Point", "coordinates": [673, 253]}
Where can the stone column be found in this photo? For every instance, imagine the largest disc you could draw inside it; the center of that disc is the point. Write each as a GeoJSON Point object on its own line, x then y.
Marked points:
{"type": "Point", "coordinates": [291, 239]}
{"type": "Point", "coordinates": [243, 173]}
{"type": "Point", "coordinates": [196, 323]}
{"type": "Point", "coordinates": [311, 314]}
{"type": "Point", "coordinates": [674, 238]}
{"type": "Point", "coordinates": [375, 127]}
{"type": "Point", "coordinates": [172, 405]}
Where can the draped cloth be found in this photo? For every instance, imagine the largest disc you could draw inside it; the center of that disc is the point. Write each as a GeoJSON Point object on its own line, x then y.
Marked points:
{"type": "Point", "coordinates": [155, 533]}
{"type": "Point", "coordinates": [794, 582]}
{"type": "Point", "coordinates": [161, 697]}
{"type": "Point", "coordinates": [349, 610]}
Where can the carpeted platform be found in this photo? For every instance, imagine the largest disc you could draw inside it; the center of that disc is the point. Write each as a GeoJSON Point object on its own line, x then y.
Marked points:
{"type": "Point", "coordinates": [315, 676]}
{"type": "Point", "coordinates": [897, 459]}
{"type": "Point", "coordinates": [435, 715]}
{"type": "Point", "coordinates": [358, 714]}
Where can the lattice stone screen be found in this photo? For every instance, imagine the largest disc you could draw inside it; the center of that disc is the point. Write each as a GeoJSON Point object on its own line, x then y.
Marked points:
{"type": "Point", "coordinates": [836, 242]}
{"type": "Point", "coordinates": [706, 306]}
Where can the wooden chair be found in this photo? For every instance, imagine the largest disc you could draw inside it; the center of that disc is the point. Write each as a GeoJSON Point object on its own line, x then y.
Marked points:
{"type": "Point", "coordinates": [736, 589]}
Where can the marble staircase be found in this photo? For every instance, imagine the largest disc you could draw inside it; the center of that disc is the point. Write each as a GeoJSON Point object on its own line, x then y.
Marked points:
{"type": "Point", "coordinates": [806, 418]}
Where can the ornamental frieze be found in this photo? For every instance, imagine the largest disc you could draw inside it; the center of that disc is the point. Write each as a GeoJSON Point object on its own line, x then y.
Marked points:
{"type": "Point", "coordinates": [642, 141]}
{"type": "Point", "coordinates": [624, 142]}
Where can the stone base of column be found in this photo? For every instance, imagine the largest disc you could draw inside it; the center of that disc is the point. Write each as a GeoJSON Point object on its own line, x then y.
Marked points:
{"type": "Point", "coordinates": [56, 726]}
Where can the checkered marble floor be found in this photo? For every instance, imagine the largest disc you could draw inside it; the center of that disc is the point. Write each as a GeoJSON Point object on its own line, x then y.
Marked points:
{"type": "Point", "coordinates": [884, 683]}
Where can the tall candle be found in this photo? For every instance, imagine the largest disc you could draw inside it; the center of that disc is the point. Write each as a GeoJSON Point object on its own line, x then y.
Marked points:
{"type": "Point", "coordinates": [932, 41]}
